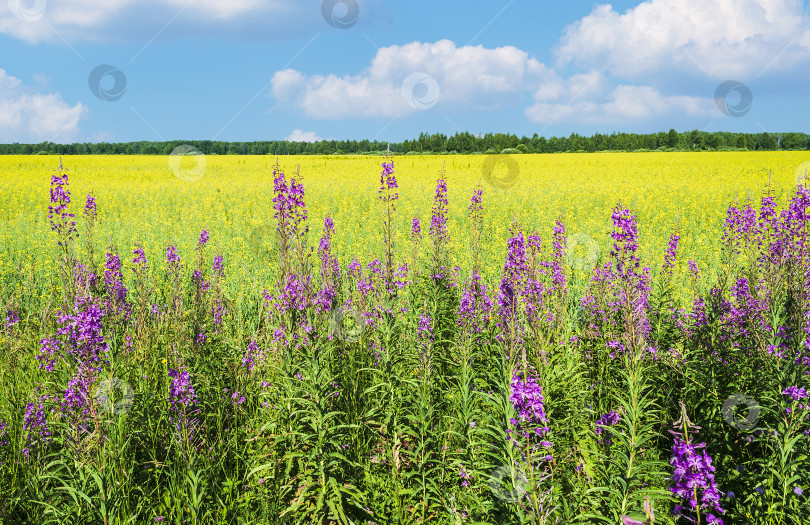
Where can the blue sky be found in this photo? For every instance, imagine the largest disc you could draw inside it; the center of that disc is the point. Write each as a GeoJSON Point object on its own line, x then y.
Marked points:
{"type": "Point", "coordinates": [243, 70]}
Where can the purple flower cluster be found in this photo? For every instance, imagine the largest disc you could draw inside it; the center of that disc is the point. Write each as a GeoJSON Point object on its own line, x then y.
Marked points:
{"type": "Point", "coordinates": [62, 222]}
{"type": "Point", "coordinates": [35, 425]}
{"type": "Point", "coordinates": [90, 208]}
{"type": "Point", "coordinates": [388, 182]}
{"type": "Point", "coordinates": [475, 306]}
{"type": "Point", "coordinates": [671, 255]}
{"type": "Point", "coordinates": [694, 480]}
{"type": "Point", "coordinates": [11, 319]}
{"type": "Point", "coordinates": [438, 227]}
{"type": "Point", "coordinates": [527, 399]}
{"type": "Point", "coordinates": [217, 268]}
{"type": "Point", "coordinates": [139, 261]}
{"type": "Point", "coordinates": [795, 392]}
{"type": "Point", "coordinates": [116, 293]}
{"type": "Point", "coordinates": [203, 240]}
{"type": "Point", "coordinates": [610, 419]}
{"type": "Point", "coordinates": [181, 391]}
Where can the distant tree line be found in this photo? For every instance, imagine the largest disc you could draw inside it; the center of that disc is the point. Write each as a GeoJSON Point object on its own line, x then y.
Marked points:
{"type": "Point", "coordinates": [439, 143]}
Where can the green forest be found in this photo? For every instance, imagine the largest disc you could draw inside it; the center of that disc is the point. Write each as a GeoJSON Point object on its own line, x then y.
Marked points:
{"type": "Point", "coordinates": [438, 143]}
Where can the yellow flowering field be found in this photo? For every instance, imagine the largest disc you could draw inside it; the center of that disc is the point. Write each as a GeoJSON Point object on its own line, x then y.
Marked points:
{"type": "Point", "coordinates": [150, 200]}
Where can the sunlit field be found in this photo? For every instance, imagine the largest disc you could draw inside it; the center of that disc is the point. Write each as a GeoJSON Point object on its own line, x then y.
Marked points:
{"type": "Point", "coordinates": [236, 339]}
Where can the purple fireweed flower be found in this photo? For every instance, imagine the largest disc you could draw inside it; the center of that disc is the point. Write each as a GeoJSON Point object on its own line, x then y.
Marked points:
{"type": "Point", "coordinates": [693, 478]}
{"type": "Point", "coordinates": [388, 182]}
{"type": "Point", "coordinates": [438, 230]}
{"type": "Point", "coordinates": [558, 252]}
{"type": "Point", "coordinates": [218, 311]}
{"type": "Point", "coordinates": [671, 254]}
{"type": "Point", "coordinates": [203, 239]}
{"type": "Point", "coordinates": [181, 391]}
{"type": "Point", "coordinates": [116, 292]}
{"type": "Point", "coordinates": [795, 392]}
{"type": "Point", "coordinates": [35, 425]}
{"type": "Point", "coordinates": [90, 208]}
{"type": "Point", "coordinates": [515, 272]}
{"type": "Point", "coordinates": [173, 261]}
{"type": "Point", "coordinates": [140, 261]}
{"type": "Point", "coordinates": [217, 269]}
{"type": "Point", "coordinates": [527, 398]}
{"type": "Point", "coordinates": [530, 426]}
{"type": "Point", "coordinates": [424, 329]}
{"type": "Point", "coordinates": [610, 419]}
{"type": "Point", "coordinates": [80, 339]}
{"type": "Point", "coordinates": [62, 222]}
{"type": "Point", "coordinates": [475, 306]}
{"type": "Point", "coordinates": [11, 319]}
{"type": "Point", "coordinates": [693, 269]}
{"type": "Point", "coordinates": [416, 230]}
{"type": "Point", "coordinates": [330, 268]}
{"type": "Point", "coordinates": [465, 476]}
{"type": "Point", "coordinates": [253, 356]}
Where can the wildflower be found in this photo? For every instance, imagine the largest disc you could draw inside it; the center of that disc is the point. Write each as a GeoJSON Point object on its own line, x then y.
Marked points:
{"type": "Point", "coordinates": [798, 491]}
{"type": "Point", "coordinates": [693, 477]}
{"type": "Point", "coordinates": [203, 239]}
{"type": "Point", "coordinates": [610, 419]}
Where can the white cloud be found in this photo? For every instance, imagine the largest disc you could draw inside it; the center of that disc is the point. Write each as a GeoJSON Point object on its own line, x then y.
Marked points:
{"type": "Point", "coordinates": [303, 136]}
{"type": "Point", "coordinates": [141, 20]}
{"type": "Point", "coordinates": [26, 116]}
{"type": "Point", "coordinates": [624, 104]}
{"type": "Point", "coordinates": [720, 38]}
{"type": "Point", "coordinates": [472, 77]}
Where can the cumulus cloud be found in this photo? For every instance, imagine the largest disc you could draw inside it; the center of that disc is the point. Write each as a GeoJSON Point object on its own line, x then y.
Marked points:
{"type": "Point", "coordinates": [122, 20]}
{"type": "Point", "coordinates": [718, 38]}
{"type": "Point", "coordinates": [303, 136]}
{"type": "Point", "coordinates": [404, 79]}
{"type": "Point", "coordinates": [26, 116]}
{"type": "Point", "coordinates": [622, 105]}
